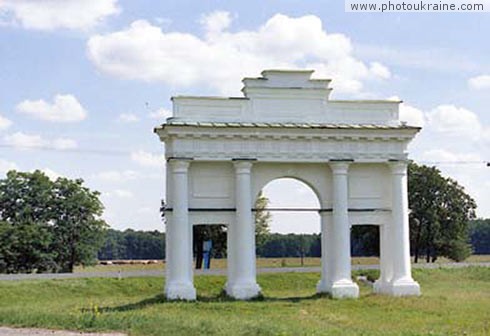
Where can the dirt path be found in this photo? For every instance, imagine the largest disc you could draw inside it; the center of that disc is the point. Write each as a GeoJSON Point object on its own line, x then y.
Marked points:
{"type": "Point", "coordinates": [4, 331]}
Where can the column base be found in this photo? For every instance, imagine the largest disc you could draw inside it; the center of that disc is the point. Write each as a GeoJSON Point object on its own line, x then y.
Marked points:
{"type": "Point", "coordinates": [243, 291]}
{"type": "Point", "coordinates": [323, 286]}
{"type": "Point", "coordinates": [402, 287]}
{"type": "Point", "coordinates": [180, 291]}
{"type": "Point", "coordinates": [340, 289]}
{"type": "Point", "coordinates": [381, 287]}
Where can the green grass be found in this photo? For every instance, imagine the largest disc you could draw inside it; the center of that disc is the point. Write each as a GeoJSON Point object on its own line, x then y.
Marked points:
{"type": "Point", "coordinates": [454, 302]}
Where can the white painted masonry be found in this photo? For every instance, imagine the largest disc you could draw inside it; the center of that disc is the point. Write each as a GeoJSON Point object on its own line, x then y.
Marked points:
{"type": "Point", "coordinates": [353, 154]}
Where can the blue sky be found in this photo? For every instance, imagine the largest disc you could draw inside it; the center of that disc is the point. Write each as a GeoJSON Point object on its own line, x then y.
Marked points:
{"type": "Point", "coordinates": [83, 83]}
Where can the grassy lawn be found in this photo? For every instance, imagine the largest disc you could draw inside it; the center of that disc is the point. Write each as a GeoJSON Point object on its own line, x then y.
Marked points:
{"type": "Point", "coordinates": [261, 262]}
{"type": "Point", "coordinates": [454, 302]}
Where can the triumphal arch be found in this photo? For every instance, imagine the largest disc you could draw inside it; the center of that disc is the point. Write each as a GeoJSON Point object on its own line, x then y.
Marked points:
{"type": "Point", "coordinates": [221, 151]}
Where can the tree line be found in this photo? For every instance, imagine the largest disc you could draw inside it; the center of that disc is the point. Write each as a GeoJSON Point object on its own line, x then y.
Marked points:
{"type": "Point", "coordinates": [130, 244]}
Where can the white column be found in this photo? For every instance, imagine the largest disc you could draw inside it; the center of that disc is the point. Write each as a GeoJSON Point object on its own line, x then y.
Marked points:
{"type": "Point", "coordinates": [342, 284]}
{"type": "Point", "coordinates": [325, 283]}
{"type": "Point", "coordinates": [179, 285]}
{"type": "Point", "coordinates": [402, 282]}
{"type": "Point", "coordinates": [243, 284]}
{"type": "Point", "coordinates": [382, 285]}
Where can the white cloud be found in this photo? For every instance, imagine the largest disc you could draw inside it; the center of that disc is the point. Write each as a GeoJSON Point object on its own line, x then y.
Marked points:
{"type": "Point", "coordinates": [216, 22]}
{"type": "Point", "coordinates": [479, 82]}
{"type": "Point", "coordinates": [64, 143]}
{"type": "Point", "coordinates": [443, 155]}
{"type": "Point", "coordinates": [412, 115]}
{"type": "Point", "coordinates": [119, 193]}
{"type": "Point", "coordinates": [65, 108]}
{"type": "Point", "coordinates": [456, 121]}
{"type": "Point", "coordinates": [221, 58]}
{"type": "Point", "coordinates": [128, 118]}
{"type": "Point", "coordinates": [146, 210]}
{"type": "Point", "coordinates": [148, 159]}
{"type": "Point", "coordinates": [421, 57]}
{"type": "Point", "coordinates": [161, 113]}
{"type": "Point", "coordinates": [4, 123]}
{"type": "Point", "coordinates": [6, 166]}
{"type": "Point", "coordinates": [117, 176]}
{"type": "Point", "coordinates": [54, 14]}
{"type": "Point", "coordinates": [379, 70]}
{"type": "Point", "coordinates": [25, 141]}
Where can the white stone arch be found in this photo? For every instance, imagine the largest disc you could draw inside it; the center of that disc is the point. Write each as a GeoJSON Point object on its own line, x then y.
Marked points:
{"type": "Point", "coordinates": [221, 151]}
{"type": "Point", "coordinates": [266, 173]}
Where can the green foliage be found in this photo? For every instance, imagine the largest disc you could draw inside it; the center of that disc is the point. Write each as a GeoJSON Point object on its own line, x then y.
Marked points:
{"type": "Point", "coordinates": [365, 240]}
{"type": "Point", "coordinates": [440, 214]}
{"type": "Point", "coordinates": [25, 248]}
{"type": "Point", "coordinates": [132, 245]}
{"type": "Point", "coordinates": [215, 233]}
{"type": "Point", "coordinates": [290, 245]}
{"type": "Point", "coordinates": [47, 225]}
{"type": "Point", "coordinates": [77, 226]}
{"type": "Point", "coordinates": [480, 236]}
{"type": "Point", "coordinates": [263, 220]}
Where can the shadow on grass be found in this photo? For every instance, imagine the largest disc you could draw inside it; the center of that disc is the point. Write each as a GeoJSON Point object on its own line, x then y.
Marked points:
{"type": "Point", "coordinates": [222, 297]}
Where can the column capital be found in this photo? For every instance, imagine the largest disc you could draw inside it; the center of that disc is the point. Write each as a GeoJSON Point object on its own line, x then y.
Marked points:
{"type": "Point", "coordinates": [339, 167]}
{"type": "Point", "coordinates": [243, 165]}
{"type": "Point", "coordinates": [398, 167]}
{"type": "Point", "coordinates": [179, 165]}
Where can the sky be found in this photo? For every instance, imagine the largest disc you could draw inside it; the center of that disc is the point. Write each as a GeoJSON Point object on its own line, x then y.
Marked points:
{"type": "Point", "coordinates": [83, 84]}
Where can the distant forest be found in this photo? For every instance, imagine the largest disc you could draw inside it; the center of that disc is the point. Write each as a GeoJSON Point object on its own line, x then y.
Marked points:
{"type": "Point", "coordinates": [130, 244]}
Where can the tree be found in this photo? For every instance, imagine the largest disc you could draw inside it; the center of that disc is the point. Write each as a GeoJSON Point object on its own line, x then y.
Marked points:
{"type": "Point", "coordinates": [440, 213]}
{"type": "Point", "coordinates": [25, 248]}
{"type": "Point", "coordinates": [77, 227]}
{"type": "Point", "coordinates": [365, 240]}
{"type": "Point", "coordinates": [215, 233]}
{"type": "Point", "coordinates": [262, 220]}
{"type": "Point", "coordinates": [480, 236]}
{"type": "Point", "coordinates": [131, 244]}
{"type": "Point", "coordinates": [48, 225]}
{"type": "Point", "coordinates": [25, 197]}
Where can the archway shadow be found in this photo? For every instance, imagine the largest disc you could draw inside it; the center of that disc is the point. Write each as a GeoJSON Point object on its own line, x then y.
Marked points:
{"type": "Point", "coordinates": [222, 297]}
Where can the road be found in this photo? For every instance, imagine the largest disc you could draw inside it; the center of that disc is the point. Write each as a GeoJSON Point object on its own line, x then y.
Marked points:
{"type": "Point", "coordinates": [161, 273]}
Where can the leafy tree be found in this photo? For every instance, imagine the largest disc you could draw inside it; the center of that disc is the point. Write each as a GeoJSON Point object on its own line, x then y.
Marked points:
{"type": "Point", "coordinates": [47, 225]}
{"type": "Point", "coordinates": [290, 245]}
{"type": "Point", "coordinates": [77, 227]}
{"type": "Point", "coordinates": [440, 213]}
{"type": "Point", "coordinates": [263, 220]}
{"type": "Point", "coordinates": [215, 233]}
{"type": "Point", "coordinates": [25, 248]}
{"type": "Point", "coordinates": [316, 246]}
{"type": "Point", "coordinates": [480, 236]}
{"type": "Point", "coordinates": [114, 247]}
{"type": "Point", "coordinates": [25, 197]}
{"type": "Point", "coordinates": [131, 244]}
{"type": "Point", "coordinates": [365, 240]}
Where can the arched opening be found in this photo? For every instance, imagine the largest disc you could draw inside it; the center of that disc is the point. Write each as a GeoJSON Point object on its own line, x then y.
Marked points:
{"type": "Point", "coordinates": [365, 244]}
{"type": "Point", "coordinates": [294, 231]}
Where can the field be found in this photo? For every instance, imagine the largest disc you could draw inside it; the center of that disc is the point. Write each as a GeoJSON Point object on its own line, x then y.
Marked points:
{"type": "Point", "coordinates": [261, 263]}
{"type": "Point", "coordinates": [454, 302]}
